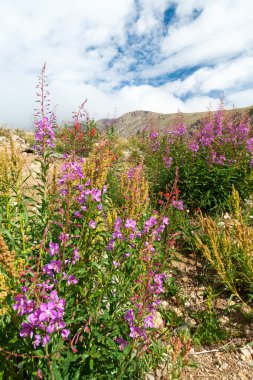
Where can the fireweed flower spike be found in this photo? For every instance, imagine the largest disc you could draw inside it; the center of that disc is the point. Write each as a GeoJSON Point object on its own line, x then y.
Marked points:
{"type": "Point", "coordinates": [44, 135]}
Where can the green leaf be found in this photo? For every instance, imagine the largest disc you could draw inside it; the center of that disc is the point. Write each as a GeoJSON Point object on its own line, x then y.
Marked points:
{"type": "Point", "coordinates": [56, 372]}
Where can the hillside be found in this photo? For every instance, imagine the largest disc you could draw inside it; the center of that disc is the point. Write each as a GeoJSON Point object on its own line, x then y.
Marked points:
{"type": "Point", "coordinates": [132, 122]}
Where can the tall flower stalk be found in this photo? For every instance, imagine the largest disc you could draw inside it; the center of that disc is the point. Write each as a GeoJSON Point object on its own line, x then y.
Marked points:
{"type": "Point", "coordinates": [44, 121]}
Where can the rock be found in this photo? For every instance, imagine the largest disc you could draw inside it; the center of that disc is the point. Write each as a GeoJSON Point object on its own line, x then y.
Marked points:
{"type": "Point", "coordinates": [246, 353]}
{"type": "Point", "coordinates": [248, 331]}
{"type": "Point", "coordinates": [250, 363]}
{"type": "Point", "coordinates": [193, 295]}
{"type": "Point", "coordinates": [177, 311]}
{"type": "Point", "coordinates": [158, 373]}
{"type": "Point", "coordinates": [3, 140]}
{"type": "Point", "coordinates": [190, 321]}
{"type": "Point", "coordinates": [231, 303]}
{"type": "Point", "coordinates": [224, 320]}
{"type": "Point", "coordinates": [18, 140]}
{"type": "Point", "coordinates": [165, 304]}
{"type": "Point", "coordinates": [158, 321]}
{"type": "Point", "coordinates": [224, 366]}
{"type": "Point", "coordinates": [35, 167]}
{"type": "Point", "coordinates": [150, 377]}
{"type": "Point", "coordinates": [19, 143]}
{"type": "Point", "coordinates": [241, 376]}
{"type": "Point", "coordinates": [126, 154]}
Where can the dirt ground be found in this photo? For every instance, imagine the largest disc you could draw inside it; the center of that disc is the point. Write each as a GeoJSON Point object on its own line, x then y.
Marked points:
{"type": "Point", "coordinates": [232, 359]}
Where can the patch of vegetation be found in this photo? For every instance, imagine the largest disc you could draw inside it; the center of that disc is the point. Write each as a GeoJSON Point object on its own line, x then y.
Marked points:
{"type": "Point", "coordinates": [86, 254]}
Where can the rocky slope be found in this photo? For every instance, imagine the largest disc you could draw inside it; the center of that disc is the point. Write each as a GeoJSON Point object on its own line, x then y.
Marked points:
{"type": "Point", "coordinates": [132, 122]}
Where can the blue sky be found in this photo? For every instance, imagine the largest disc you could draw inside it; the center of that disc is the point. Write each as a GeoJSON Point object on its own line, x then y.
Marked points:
{"type": "Point", "coordinates": [125, 55]}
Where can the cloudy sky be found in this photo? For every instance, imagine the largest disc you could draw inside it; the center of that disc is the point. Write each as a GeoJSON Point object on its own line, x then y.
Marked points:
{"type": "Point", "coordinates": [125, 55]}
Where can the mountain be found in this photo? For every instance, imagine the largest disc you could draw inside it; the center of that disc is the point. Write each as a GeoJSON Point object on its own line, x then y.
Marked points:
{"type": "Point", "coordinates": [132, 122]}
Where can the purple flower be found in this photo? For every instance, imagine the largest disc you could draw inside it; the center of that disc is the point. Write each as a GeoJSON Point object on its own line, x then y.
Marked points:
{"type": "Point", "coordinates": [75, 256]}
{"type": "Point", "coordinates": [45, 340]}
{"type": "Point", "coordinates": [54, 265]}
{"type": "Point", "coordinates": [23, 305]}
{"type": "Point", "coordinates": [115, 264]}
{"type": "Point", "coordinates": [44, 134]}
{"type": "Point", "coordinates": [37, 340]}
{"type": "Point", "coordinates": [153, 135]}
{"type": "Point", "coordinates": [130, 223]}
{"type": "Point", "coordinates": [47, 312]}
{"type": "Point", "coordinates": [165, 220]}
{"type": "Point", "coordinates": [53, 248]}
{"type": "Point", "coordinates": [33, 318]}
{"type": "Point", "coordinates": [122, 343]}
{"type": "Point", "coordinates": [65, 333]}
{"type": "Point", "coordinates": [64, 237]}
{"type": "Point", "coordinates": [194, 147]}
{"type": "Point", "coordinates": [149, 321]}
{"type": "Point", "coordinates": [129, 317]}
{"type": "Point", "coordinates": [167, 161]}
{"type": "Point", "coordinates": [117, 234]}
{"type": "Point", "coordinates": [150, 222]}
{"type": "Point", "coordinates": [50, 328]}
{"type": "Point", "coordinates": [178, 204]}
{"type": "Point", "coordinates": [136, 331]}
{"type": "Point", "coordinates": [111, 245]}
{"type": "Point", "coordinates": [130, 173]}
{"type": "Point", "coordinates": [72, 280]}
{"type": "Point", "coordinates": [92, 224]}
{"type": "Point", "coordinates": [71, 171]}
{"type": "Point", "coordinates": [96, 195]}
{"type": "Point", "coordinates": [26, 330]}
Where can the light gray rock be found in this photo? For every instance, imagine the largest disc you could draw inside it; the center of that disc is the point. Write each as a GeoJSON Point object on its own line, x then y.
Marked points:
{"type": "Point", "coordinates": [246, 353]}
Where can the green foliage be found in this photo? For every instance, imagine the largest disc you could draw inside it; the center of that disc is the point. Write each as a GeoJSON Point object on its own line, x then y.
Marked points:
{"type": "Point", "coordinates": [208, 329]}
{"type": "Point", "coordinates": [209, 162]}
{"type": "Point", "coordinates": [78, 137]}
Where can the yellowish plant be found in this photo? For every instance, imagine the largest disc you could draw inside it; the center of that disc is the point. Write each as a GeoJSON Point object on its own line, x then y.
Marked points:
{"type": "Point", "coordinates": [135, 187]}
{"type": "Point", "coordinates": [228, 246]}
{"type": "Point", "coordinates": [11, 165]}
{"type": "Point", "coordinates": [97, 164]}
{"type": "Point", "coordinates": [10, 270]}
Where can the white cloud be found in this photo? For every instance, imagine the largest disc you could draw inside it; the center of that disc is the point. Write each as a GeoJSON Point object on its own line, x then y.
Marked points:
{"type": "Point", "coordinates": [108, 51]}
{"type": "Point", "coordinates": [240, 99]}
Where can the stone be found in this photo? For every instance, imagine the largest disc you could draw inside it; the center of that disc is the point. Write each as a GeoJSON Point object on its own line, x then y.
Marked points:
{"type": "Point", "coordinates": [150, 377]}
{"type": "Point", "coordinates": [224, 320]}
{"type": "Point", "coordinates": [246, 353]}
{"type": "Point", "coordinates": [248, 331]}
{"type": "Point", "coordinates": [165, 304]}
{"type": "Point", "coordinates": [158, 373]}
{"type": "Point", "coordinates": [158, 321]}
{"type": "Point", "coordinates": [224, 366]}
{"type": "Point", "coordinates": [190, 321]}
{"type": "Point", "coordinates": [177, 311]}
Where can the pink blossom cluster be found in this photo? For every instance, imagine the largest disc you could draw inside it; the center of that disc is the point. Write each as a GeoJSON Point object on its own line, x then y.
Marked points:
{"type": "Point", "coordinates": [44, 134]}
